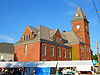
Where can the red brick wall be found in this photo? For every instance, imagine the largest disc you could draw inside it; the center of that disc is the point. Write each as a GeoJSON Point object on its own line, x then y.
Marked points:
{"type": "Point", "coordinates": [82, 32]}
{"type": "Point", "coordinates": [87, 52]}
{"type": "Point", "coordinates": [48, 56]}
{"type": "Point", "coordinates": [84, 35]}
{"type": "Point", "coordinates": [57, 34]}
{"type": "Point", "coordinates": [33, 52]}
{"type": "Point", "coordinates": [77, 54]}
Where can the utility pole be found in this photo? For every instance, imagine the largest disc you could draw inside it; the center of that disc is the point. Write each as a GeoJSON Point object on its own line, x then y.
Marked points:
{"type": "Point", "coordinates": [97, 48]}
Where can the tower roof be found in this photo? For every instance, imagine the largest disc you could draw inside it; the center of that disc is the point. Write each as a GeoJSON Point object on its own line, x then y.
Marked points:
{"type": "Point", "coordinates": [79, 14]}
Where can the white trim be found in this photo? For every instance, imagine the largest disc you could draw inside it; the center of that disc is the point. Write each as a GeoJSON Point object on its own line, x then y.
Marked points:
{"type": "Point", "coordinates": [25, 29]}
{"type": "Point", "coordinates": [29, 29]}
{"type": "Point", "coordinates": [65, 53]}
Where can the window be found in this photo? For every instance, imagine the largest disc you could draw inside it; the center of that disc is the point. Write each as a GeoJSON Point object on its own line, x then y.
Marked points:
{"type": "Point", "coordinates": [86, 27]}
{"type": "Point", "coordinates": [26, 49]}
{"type": "Point", "coordinates": [82, 49]}
{"type": "Point", "coordinates": [64, 53]}
{"type": "Point", "coordinates": [69, 53]}
{"type": "Point", "coordinates": [2, 56]}
{"type": "Point", "coordinates": [82, 56]}
{"type": "Point", "coordinates": [58, 49]}
{"type": "Point", "coordinates": [33, 35]}
{"type": "Point", "coordinates": [43, 59]}
{"type": "Point", "coordinates": [26, 37]}
{"type": "Point", "coordinates": [87, 32]}
{"type": "Point", "coordinates": [52, 51]}
{"type": "Point", "coordinates": [43, 50]}
{"type": "Point", "coordinates": [58, 39]}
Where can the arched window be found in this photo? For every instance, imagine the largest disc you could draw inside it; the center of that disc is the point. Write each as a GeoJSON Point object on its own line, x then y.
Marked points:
{"type": "Point", "coordinates": [43, 52]}
{"type": "Point", "coordinates": [2, 57]}
{"type": "Point", "coordinates": [28, 36]}
{"type": "Point", "coordinates": [52, 50]}
{"type": "Point", "coordinates": [58, 49]}
{"type": "Point", "coordinates": [82, 49]}
{"type": "Point", "coordinates": [64, 53]}
{"type": "Point", "coordinates": [26, 50]}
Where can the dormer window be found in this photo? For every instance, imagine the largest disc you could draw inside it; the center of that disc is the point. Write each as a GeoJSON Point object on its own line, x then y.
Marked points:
{"type": "Point", "coordinates": [58, 39]}
{"type": "Point", "coordinates": [33, 34]}
{"type": "Point", "coordinates": [26, 37]}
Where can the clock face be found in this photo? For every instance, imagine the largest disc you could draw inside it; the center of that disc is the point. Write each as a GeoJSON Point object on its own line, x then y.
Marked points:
{"type": "Point", "coordinates": [78, 27]}
{"type": "Point", "coordinates": [76, 14]}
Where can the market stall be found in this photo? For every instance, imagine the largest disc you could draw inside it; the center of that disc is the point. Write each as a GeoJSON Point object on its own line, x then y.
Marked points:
{"type": "Point", "coordinates": [45, 67]}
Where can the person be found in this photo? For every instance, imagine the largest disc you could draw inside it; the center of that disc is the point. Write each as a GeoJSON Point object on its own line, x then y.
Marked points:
{"type": "Point", "coordinates": [69, 71]}
{"type": "Point", "coordinates": [57, 71]}
{"type": "Point", "coordinates": [76, 72]}
{"type": "Point", "coordinates": [64, 71]}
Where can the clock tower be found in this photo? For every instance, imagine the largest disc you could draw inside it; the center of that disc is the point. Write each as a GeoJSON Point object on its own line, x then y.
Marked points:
{"type": "Point", "coordinates": [80, 26]}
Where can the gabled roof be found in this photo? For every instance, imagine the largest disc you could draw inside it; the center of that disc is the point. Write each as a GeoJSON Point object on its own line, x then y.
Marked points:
{"type": "Point", "coordinates": [79, 11]}
{"type": "Point", "coordinates": [32, 29]}
{"type": "Point", "coordinates": [6, 48]}
{"type": "Point", "coordinates": [44, 32]}
{"type": "Point", "coordinates": [71, 37]}
{"type": "Point", "coordinates": [52, 32]}
{"type": "Point", "coordinates": [47, 34]}
{"type": "Point", "coordinates": [79, 15]}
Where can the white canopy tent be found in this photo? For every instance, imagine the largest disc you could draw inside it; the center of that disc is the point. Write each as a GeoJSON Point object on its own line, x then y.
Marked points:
{"type": "Point", "coordinates": [28, 64]}
{"type": "Point", "coordinates": [84, 65]}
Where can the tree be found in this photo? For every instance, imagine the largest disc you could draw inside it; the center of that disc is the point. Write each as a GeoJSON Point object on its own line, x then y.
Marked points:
{"type": "Point", "coordinates": [94, 57]}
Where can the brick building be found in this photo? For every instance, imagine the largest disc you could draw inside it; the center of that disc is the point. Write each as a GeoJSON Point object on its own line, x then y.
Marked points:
{"type": "Point", "coordinates": [44, 44]}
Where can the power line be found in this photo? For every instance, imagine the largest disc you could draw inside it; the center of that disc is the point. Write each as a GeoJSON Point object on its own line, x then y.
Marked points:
{"type": "Point", "coordinates": [97, 41]}
{"type": "Point", "coordinates": [96, 10]}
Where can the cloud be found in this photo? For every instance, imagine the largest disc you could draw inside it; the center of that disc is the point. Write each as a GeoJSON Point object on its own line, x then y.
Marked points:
{"type": "Point", "coordinates": [6, 38]}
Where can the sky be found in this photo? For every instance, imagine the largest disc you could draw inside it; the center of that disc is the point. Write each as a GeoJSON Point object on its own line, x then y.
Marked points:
{"type": "Point", "coordinates": [15, 15]}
